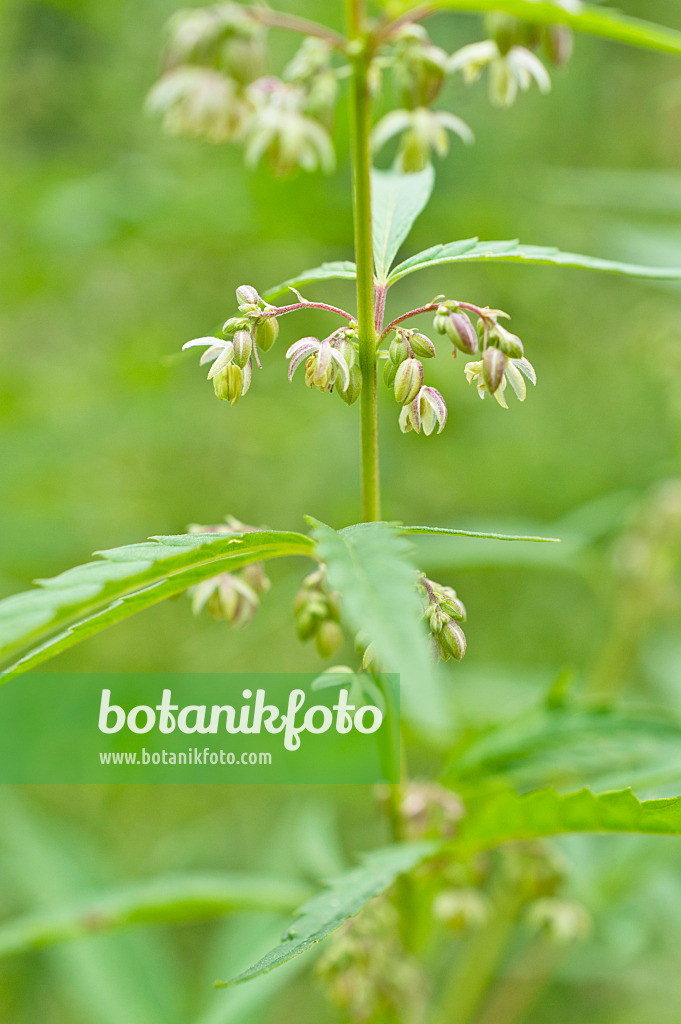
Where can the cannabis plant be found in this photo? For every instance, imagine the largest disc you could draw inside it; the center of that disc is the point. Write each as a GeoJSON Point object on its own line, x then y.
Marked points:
{"type": "Point", "coordinates": [467, 860]}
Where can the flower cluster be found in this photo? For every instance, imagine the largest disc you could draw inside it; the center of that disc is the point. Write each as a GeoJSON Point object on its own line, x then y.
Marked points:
{"type": "Point", "coordinates": [330, 362]}
{"type": "Point", "coordinates": [509, 55]}
{"type": "Point", "coordinates": [317, 614]}
{"type": "Point", "coordinates": [423, 408]}
{"type": "Point", "coordinates": [231, 596]}
{"type": "Point", "coordinates": [443, 613]}
{"type": "Point", "coordinates": [215, 87]}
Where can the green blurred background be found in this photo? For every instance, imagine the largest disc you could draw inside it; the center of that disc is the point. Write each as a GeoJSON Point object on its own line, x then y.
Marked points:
{"type": "Point", "coordinates": [119, 245]}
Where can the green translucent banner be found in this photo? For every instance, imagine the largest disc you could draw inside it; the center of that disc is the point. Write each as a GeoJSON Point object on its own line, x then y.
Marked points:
{"type": "Point", "coordinates": [199, 727]}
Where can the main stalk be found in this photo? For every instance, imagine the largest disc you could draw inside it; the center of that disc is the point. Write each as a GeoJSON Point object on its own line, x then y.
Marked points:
{"type": "Point", "coordinates": [360, 127]}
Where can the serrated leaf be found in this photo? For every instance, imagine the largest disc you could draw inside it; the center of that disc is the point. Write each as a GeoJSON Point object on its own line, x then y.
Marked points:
{"type": "Point", "coordinates": [337, 269]}
{"type": "Point", "coordinates": [396, 201]}
{"type": "Point", "coordinates": [567, 747]}
{"type": "Point", "coordinates": [344, 897]}
{"type": "Point", "coordinates": [124, 580]}
{"type": "Point", "coordinates": [506, 816]}
{"type": "Point", "coordinates": [161, 901]}
{"type": "Point", "coordinates": [442, 531]}
{"type": "Point", "coordinates": [470, 250]}
{"type": "Point", "coordinates": [370, 566]}
{"type": "Point", "coordinates": [579, 16]}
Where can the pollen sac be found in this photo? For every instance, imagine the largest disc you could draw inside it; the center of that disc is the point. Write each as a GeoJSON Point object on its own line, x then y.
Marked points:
{"type": "Point", "coordinates": [408, 381]}
{"type": "Point", "coordinates": [265, 333]}
{"type": "Point", "coordinates": [493, 366]}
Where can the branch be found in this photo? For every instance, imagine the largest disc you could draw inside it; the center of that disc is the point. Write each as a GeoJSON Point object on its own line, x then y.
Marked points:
{"type": "Point", "coordinates": [304, 304]}
{"type": "Point", "coordinates": [278, 19]}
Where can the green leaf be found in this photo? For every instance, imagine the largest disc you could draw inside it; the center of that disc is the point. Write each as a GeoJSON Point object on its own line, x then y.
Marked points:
{"type": "Point", "coordinates": [569, 746]}
{"type": "Point", "coordinates": [397, 200]}
{"type": "Point", "coordinates": [338, 269]}
{"type": "Point", "coordinates": [441, 531]}
{"type": "Point", "coordinates": [162, 901]}
{"type": "Point", "coordinates": [506, 816]}
{"type": "Point", "coordinates": [369, 565]}
{"type": "Point", "coordinates": [125, 580]}
{"type": "Point", "coordinates": [470, 250]}
{"type": "Point", "coordinates": [581, 17]}
{"type": "Point", "coordinates": [344, 897]}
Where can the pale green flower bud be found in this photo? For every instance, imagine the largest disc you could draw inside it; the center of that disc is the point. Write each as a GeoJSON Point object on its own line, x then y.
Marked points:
{"type": "Point", "coordinates": [440, 319]}
{"type": "Point", "coordinates": [351, 393]}
{"type": "Point", "coordinates": [422, 346]}
{"type": "Point", "coordinates": [235, 323]}
{"type": "Point", "coordinates": [243, 346]}
{"type": "Point", "coordinates": [228, 384]}
{"type": "Point", "coordinates": [460, 331]}
{"type": "Point", "coordinates": [505, 30]}
{"type": "Point", "coordinates": [493, 366]}
{"type": "Point", "coordinates": [451, 641]}
{"type": "Point", "coordinates": [408, 381]}
{"type": "Point", "coordinates": [389, 373]}
{"type": "Point", "coordinates": [246, 295]}
{"type": "Point", "coordinates": [328, 638]}
{"type": "Point", "coordinates": [510, 344]}
{"type": "Point", "coordinates": [561, 921]}
{"type": "Point", "coordinates": [558, 44]}
{"type": "Point", "coordinates": [265, 333]}
{"type": "Point", "coordinates": [398, 351]}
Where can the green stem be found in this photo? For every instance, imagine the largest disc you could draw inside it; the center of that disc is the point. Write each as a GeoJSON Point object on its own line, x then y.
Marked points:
{"type": "Point", "coordinates": [360, 123]}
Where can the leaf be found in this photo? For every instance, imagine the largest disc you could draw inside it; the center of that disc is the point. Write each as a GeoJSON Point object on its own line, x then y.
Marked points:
{"type": "Point", "coordinates": [338, 269]}
{"type": "Point", "coordinates": [125, 580]}
{"type": "Point", "coordinates": [506, 816]}
{"type": "Point", "coordinates": [441, 531]}
{"type": "Point", "coordinates": [161, 901]}
{"type": "Point", "coordinates": [470, 250]}
{"type": "Point", "coordinates": [369, 565]}
{"type": "Point", "coordinates": [569, 746]}
{"type": "Point", "coordinates": [397, 199]}
{"type": "Point", "coordinates": [579, 16]}
{"type": "Point", "coordinates": [344, 897]}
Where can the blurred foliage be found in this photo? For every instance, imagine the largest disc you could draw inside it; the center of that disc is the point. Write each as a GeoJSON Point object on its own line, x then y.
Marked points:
{"type": "Point", "coordinates": [119, 244]}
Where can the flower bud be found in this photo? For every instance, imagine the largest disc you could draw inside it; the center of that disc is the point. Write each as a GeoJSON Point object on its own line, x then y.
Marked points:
{"type": "Point", "coordinates": [328, 638]}
{"type": "Point", "coordinates": [398, 351]}
{"type": "Point", "coordinates": [408, 381]}
{"type": "Point", "coordinates": [493, 366]}
{"type": "Point", "coordinates": [246, 295]}
{"type": "Point", "coordinates": [422, 346]}
{"type": "Point", "coordinates": [558, 44]}
{"type": "Point", "coordinates": [504, 29]}
{"type": "Point", "coordinates": [243, 346]}
{"type": "Point", "coordinates": [440, 319]}
{"type": "Point", "coordinates": [461, 332]}
{"type": "Point", "coordinates": [351, 393]}
{"type": "Point", "coordinates": [229, 383]}
{"type": "Point", "coordinates": [389, 373]}
{"type": "Point", "coordinates": [452, 641]}
{"type": "Point", "coordinates": [265, 333]}
{"type": "Point", "coordinates": [510, 344]}
{"type": "Point", "coordinates": [235, 323]}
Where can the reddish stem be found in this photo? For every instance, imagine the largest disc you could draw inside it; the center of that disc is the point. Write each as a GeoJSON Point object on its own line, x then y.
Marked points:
{"type": "Point", "coordinates": [281, 310]}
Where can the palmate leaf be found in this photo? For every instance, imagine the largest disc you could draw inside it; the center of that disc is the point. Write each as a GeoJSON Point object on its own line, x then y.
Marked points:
{"type": "Point", "coordinates": [580, 16]}
{"type": "Point", "coordinates": [337, 269]}
{"type": "Point", "coordinates": [471, 250]}
{"type": "Point", "coordinates": [397, 200]}
{"type": "Point", "coordinates": [502, 817]}
{"type": "Point", "coordinates": [82, 601]}
{"type": "Point", "coordinates": [370, 566]}
{"type": "Point", "coordinates": [344, 897]}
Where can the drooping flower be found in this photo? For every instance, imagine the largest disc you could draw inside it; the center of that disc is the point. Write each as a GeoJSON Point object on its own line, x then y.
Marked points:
{"type": "Point", "coordinates": [324, 362]}
{"type": "Point", "coordinates": [423, 131]}
{"type": "Point", "coordinates": [512, 374]}
{"type": "Point", "coordinates": [199, 102]}
{"type": "Point", "coordinates": [427, 411]}
{"type": "Point", "coordinates": [509, 72]}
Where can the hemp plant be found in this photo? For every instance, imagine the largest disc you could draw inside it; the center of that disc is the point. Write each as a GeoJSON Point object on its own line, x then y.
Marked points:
{"type": "Point", "coordinates": [449, 874]}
